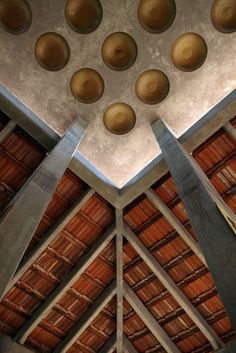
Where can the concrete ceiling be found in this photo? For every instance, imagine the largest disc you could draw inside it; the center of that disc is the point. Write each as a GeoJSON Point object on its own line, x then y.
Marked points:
{"type": "Point", "coordinates": [47, 94]}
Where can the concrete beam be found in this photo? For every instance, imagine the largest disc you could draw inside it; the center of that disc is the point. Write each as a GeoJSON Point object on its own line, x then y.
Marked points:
{"type": "Point", "coordinates": [49, 237]}
{"type": "Point", "coordinates": [150, 321]}
{"type": "Point", "coordinates": [7, 130]}
{"type": "Point", "coordinates": [177, 225]}
{"type": "Point", "coordinates": [207, 213]}
{"type": "Point", "coordinates": [174, 290]}
{"type": "Point", "coordinates": [119, 279]}
{"type": "Point", "coordinates": [128, 347]}
{"type": "Point", "coordinates": [87, 319]}
{"type": "Point", "coordinates": [223, 112]}
{"type": "Point", "coordinates": [7, 345]}
{"type": "Point", "coordinates": [109, 346]}
{"type": "Point", "coordinates": [231, 131]}
{"type": "Point", "coordinates": [66, 283]}
{"type": "Point", "coordinates": [20, 220]}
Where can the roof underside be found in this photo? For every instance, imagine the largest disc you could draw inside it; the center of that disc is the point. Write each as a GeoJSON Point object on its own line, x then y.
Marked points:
{"type": "Point", "coordinates": [19, 157]}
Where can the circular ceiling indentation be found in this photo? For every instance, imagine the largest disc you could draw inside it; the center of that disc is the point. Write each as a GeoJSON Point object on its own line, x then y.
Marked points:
{"type": "Point", "coordinates": [156, 16]}
{"type": "Point", "coordinates": [52, 51]}
{"type": "Point", "coordinates": [119, 51]}
{"type": "Point", "coordinates": [189, 52]}
{"type": "Point", "coordinates": [152, 86]}
{"type": "Point", "coordinates": [119, 118]}
{"type": "Point", "coordinates": [15, 16]}
{"type": "Point", "coordinates": [223, 15]}
{"type": "Point", "coordinates": [87, 85]}
{"type": "Point", "coordinates": [83, 16]}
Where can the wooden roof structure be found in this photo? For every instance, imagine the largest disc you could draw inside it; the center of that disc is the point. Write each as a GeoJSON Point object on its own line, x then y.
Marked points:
{"type": "Point", "coordinates": [66, 293]}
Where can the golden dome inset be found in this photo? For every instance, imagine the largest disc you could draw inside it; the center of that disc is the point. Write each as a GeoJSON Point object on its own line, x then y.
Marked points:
{"type": "Point", "coordinates": [87, 85]}
{"type": "Point", "coordinates": [52, 51]}
{"type": "Point", "coordinates": [15, 16]}
{"type": "Point", "coordinates": [119, 51]}
{"type": "Point", "coordinates": [156, 16]}
{"type": "Point", "coordinates": [189, 51]}
{"type": "Point", "coordinates": [83, 16]}
{"type": "Point", "coordinates": [223, 15]}
{"type": "Point", "coordinates": [152, 86]}
{"type": "Point", "coordinates": [119, 118]}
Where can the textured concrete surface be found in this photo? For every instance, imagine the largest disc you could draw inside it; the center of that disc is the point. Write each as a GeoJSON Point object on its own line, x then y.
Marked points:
{"type": "Point", "coordinates": [48, 94]}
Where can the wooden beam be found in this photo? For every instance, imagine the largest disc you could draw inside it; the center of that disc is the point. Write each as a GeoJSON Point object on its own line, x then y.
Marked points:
{"type": "Point", "coordinates": [7, 130]}
{"type": "Point", "coordinates": [177, 225]}
{"type": "Point", "coordinates": [128, 347]}
{"type": "Point", "coordinates": [231, 131]}
{"type": "Point", "coordinates": [119, 278]}
{"type": "Point", "coordinates": [66, 283]}
{"type": "Point", "coordinates": [109, 346]}
{"type": "Point", "coordinates": [20, 220]}
{"type": "Point", "coordinates": [87, 319]}
{"type": "Point", "coordinates": [174, 290]}
{"type": "Point", "coordinates": [213, 221]}
{"type": "Point", "coordinates": [49, 237]}
{"type": "Point", "coordinates": [150, 321]}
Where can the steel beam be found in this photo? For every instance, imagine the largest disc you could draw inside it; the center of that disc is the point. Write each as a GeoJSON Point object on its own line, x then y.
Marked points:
{"type": "Point", "coordinates": [7, 130]}
{"type": "Point", "coordinates": [211, 218]}
{"type": "Point", "coordinates": [20, 220]}
{"type": "Point", "coordinates": [66, 283]}
{"type": "Point", "coordinates": [128, 347]}
{"type": "Point", "coordinates": [177, 225]}
{"type": "Point", "coordinates": [149, 321]}
{"type": "Point", "coordinates": [174, 290]}
{"type": "Point", "coordinates": [49, 237]}
{"type": "Point", "coordinates": [87, 319]}
{"type": "Point", "coordinates": [119, 279]}
{"type": "Point", "coordinates": [109, 346]}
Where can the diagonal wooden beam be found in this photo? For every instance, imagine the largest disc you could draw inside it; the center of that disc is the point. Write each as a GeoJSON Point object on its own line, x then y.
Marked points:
{"type": "Point", "coordinates": [49, 237]}
{"type": "Point", "coordinates": [174, 290]}
{"type": "Point", "coordinates": [149, 321]}
{"type": "Point", "coordinates": [66, 283]}
{"type": "Point", "coordinates": [87, 319]}
{"type": "Point", "coordinates": [119, 278]}
{"type": "Point", "coordinates": [20, 220]}
{"type": "Point", "coordinates": [109, 346]}
{"type": "Point", "coordinates": [128, 347]}
{"type": "Point", "coordinates": [177, 225]}
{"type": "Point", "coordinates": [7, 130]}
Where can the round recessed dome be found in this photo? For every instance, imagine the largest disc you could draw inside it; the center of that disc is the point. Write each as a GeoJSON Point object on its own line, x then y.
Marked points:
{"type": "Point", "coordinates": [223, 15]}
{"type": "Point", "coordinates": [189, 52]}
{"type": "Point", "coordinates": [156, 16]}
{"type": "Point", "coordinates": [119, 51]}
{"type": "Point", "coordinates": [152, 86]}
{"type": "Point", "coordinates": [83, 16]}
{"type": "Point", "coordinates": [87, 85]}
{"type": "Point", "coordinates": [52, 51]}
{"type": "Point", "coordinates": [15, 16]}
{"type": "Point", "coordinates": [119, 118]}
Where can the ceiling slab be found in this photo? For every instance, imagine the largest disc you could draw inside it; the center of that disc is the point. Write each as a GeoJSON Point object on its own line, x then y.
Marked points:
{"type": "Point", "coordinates": [47, 94]}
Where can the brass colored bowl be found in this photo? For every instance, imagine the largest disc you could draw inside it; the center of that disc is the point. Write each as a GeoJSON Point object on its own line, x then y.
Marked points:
{"type": "Point", "coordinates": [52, 51]}
{"type": "Point", "coordinates": [152, 86]}
{"type": "Point", "coordinates": [119, 118]}
{"type": "Point", "coordinates": [189, 52]}
{"type": "Point", "coordinates": [83, 16]}
{"type": "Point", "coordinates": [156, 16]}
{"type": "Point", "coordinates": [119, 51]}
{"type": "Point", "coordinates": [87, 85]}
{"type": "Point", "coordinates": [223, 15]}
{"type": "Point", "coordinates": [15, 16]}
